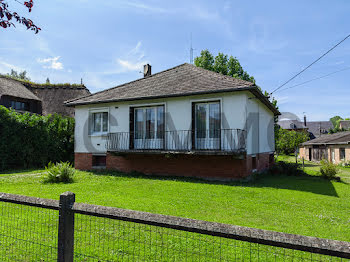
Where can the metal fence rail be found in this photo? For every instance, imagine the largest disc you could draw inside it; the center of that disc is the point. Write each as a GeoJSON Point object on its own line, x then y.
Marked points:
{"type": "Point", "coordinates": [32, 230]}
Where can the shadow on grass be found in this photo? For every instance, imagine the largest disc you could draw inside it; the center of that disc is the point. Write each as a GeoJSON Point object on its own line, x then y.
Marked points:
{"type": "Point", "coordinates": [306, 183]}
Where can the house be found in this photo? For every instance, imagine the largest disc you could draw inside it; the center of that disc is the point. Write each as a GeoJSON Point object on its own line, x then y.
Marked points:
{"type": "Point", "coordinates": [344, 124]}
{"type": "Point", "coordinates": [332, 147]}
{"type": "Point", "coordinates": [314, 128]}
{"type": "Point", "coordinates": [13, 94]}
{"type": "Point", "coordinates": [184, 121]}
{"type": "Point", "coordinates": [45, 99]}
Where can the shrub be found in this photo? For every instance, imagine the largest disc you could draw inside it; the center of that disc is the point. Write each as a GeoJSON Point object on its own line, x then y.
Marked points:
{"type": "Point", "coordinates": [284, 168]}
{"type": "Point", "coordinates": [62, 172]}
{"type": "Point", "coordinates": [329, 170]}
{"type": "Point", "coordinates": [30, 140]}
{"type": "Point", "coordinates": [345, 163]}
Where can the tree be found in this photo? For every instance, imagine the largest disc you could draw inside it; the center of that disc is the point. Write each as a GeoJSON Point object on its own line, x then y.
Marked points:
{"type": "Point", "coordinates": [7, 16]}
{"type": "Point", "coordinates": [287, 141]}
{"type": "Point", "coordinates": [21, 75]}
{"type": "Point", "coordinates": [335, 120]}
{"type": "Point", "coordinates": [47, 81]}
{"type": "Point", "coordinates": [222, 64]}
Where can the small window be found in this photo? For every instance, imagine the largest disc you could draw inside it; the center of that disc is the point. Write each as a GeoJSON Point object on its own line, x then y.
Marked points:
{"type": "Point", "coordinates": [99, 122]}
{"type": "Point", "coordinates": [98, 161]}
{"type": "Point", "coordinates": [22, 106]}
{"type": "Point", "coordinates": [271, 159]}
{"type": "Point", "coordinates": [342, 153]}
{"type": "Point", "coordinates": [254, 162]}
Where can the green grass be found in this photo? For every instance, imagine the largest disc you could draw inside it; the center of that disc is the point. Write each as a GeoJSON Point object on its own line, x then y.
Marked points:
{"type": "Point", "coordinates": [309, 205]}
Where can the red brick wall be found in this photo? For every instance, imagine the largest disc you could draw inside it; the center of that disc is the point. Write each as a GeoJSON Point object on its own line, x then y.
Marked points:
{"type": "Point", "coordinates": [262, 162]}
{"type": "Point", "coordinates": [83, 161]}
{"type": "Point", "coordinates": [180, 165]}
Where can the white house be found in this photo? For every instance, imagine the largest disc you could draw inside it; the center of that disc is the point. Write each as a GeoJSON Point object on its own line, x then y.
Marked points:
{"type": "Point", "coordinates": [184, 121]}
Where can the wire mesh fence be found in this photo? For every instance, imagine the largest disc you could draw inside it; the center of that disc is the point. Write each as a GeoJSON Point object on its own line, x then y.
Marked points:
{"type": "Point", "coordinates": [32, 230]}
{"type": "Point", "coordinates": [104, 239]}
{"type": "Point", "coordinates": [27, 233]}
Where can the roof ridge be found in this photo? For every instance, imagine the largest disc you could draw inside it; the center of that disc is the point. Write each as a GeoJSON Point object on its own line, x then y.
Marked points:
{"type": "Point", "coordinates": [136, 80]}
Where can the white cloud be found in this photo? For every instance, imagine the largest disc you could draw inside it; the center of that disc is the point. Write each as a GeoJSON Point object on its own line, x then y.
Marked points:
{"type": "Point", "coordinates": [6, 67]}
{"type": "Point", "coordinates": [130, 66]}
{"type": "Point", "coordinates": [144, 7]}
{"type": "Point", "coordinates": [51, 63]}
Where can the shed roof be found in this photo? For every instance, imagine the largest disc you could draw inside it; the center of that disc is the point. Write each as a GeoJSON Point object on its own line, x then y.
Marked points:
{"type": "Point", "coordinates": [339, 138]}
{"type": "Point", "coordinates": [182, 80]}
{"type": "Point", "coordinates": [14, 88]}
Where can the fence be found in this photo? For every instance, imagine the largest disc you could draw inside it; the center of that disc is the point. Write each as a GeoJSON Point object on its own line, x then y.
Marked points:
{"type": "Point", "coordinates": [35, 229]}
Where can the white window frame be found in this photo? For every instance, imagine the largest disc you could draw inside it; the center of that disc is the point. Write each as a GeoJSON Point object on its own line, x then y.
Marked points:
{"type": "Point", "coordinates": [99, 110]}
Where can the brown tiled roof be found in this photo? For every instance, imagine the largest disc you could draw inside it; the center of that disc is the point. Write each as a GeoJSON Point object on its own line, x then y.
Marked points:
{"type": "Point", "coordinates": [331, 139]}
{"type": "Point", "coordinates": [182, 80]}
{"type": "Point", "coordinates": [10, 87]}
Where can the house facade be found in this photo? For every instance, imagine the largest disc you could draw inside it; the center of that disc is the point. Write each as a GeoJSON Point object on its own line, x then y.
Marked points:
{"type": "Point", "coordinates": [333, 147]}
{"type": "Point", "coordinates": [184, 121]}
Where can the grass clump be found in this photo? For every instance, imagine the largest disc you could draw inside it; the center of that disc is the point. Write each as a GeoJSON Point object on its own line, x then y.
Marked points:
{"type": "Point", "coordinates": [329, 170]}
{"type": "Point", "coordinates": [62, 172]}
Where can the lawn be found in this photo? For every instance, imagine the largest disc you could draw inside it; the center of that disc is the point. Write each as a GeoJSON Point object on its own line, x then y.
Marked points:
{"type": "Point", "coordinates": [308, 206]}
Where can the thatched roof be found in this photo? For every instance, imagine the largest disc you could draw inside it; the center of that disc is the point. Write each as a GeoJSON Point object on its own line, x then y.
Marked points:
{"type": "Point", "coordinates": [14, 88]}
{"type": "Point", "coordinates": [53, 96]}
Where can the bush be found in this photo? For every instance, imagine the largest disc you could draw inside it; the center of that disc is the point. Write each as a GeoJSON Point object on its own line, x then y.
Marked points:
{"type": "Point", "coordinates": [284, 168]}
{"type": "Point", "coordinates": [329, 170]}
{"type": "Point", "coordinates": [345, 163]}
{"type": "Point", "coordinates": [60, 173]}
{"type": "Point", "coordinates": [31, 141]}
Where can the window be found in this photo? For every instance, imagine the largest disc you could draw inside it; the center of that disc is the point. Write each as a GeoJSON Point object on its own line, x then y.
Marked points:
{"type": "Point", "coordinates": [208, 120]}
{"type": "Point", "coordinates": [17, 105]}
{"type": "Point", "coordinates": [99, 122]}
{"type": "Point", "coordinates": [342, 153]}
{"type": "Point", "coordinates": [149, 122]}
{"type": "Point", "coordinates": [254, 162]}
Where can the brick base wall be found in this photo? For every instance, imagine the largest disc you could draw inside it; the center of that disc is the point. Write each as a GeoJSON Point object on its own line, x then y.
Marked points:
{"type": "Point", "coordinates": [83, 161]}
{"type": "Point", "coordinates": [204, 166]}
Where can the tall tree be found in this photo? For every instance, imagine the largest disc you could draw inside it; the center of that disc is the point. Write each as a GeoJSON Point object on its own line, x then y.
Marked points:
{"type": "Point", "coordinates": [205, 60]}
{"type": "Point", "coordinates": [335, 120]}
{"type": "Point", "coordinates": [222, 64]}
{"type": "Point", "coordinates": [21, 75]}
{"type": "Point", "coordinates": [7, 17]}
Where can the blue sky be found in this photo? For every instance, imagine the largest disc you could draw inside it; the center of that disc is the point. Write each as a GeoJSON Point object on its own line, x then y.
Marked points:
{"type": "Point", "coordinates": [107, 42]}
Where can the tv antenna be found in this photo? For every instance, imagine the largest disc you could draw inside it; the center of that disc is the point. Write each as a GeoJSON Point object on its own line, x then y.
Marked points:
{"type": "Point", "coordinates": [191, 52]}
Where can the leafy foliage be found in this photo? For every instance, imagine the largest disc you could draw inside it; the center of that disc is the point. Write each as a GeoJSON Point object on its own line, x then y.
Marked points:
{"type": "Point", "coordinates": [30, 140]}
{"type": "Point", "coordinates": [288, 141]}
{"type": "Point", "coordinates": [7, 16]}
{"type": "Point", "coordinates": [329, 170]}
{"type": "Point", "coordinates": [222, 64]}
{"type": "Point", "coordinates": [285, 168]}
{"type": "Point", "coordinates": [19, 76]}
{"type": "Point", "coordinates": [62, 172]}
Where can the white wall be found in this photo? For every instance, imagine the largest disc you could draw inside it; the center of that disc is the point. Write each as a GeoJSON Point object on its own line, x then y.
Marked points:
{"type": "Point", "coordinates": [235, 108]}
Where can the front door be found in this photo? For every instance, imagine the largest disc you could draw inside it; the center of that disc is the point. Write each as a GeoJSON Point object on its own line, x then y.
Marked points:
{"type": "Point", "coordinates": [149, 128]}
{"type": "Point", "coordinates": [207, 126]}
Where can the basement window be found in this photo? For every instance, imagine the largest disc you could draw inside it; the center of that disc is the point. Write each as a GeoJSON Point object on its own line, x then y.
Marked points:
{"type": "Point", "coordinates": [254, 162]}
{"type": "Point", "coordinates": [99, 161]}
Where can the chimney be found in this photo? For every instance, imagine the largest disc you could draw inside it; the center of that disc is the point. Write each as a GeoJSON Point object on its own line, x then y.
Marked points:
{"type": "Point", "coordinates": [147, 70]}
{"type": "Point", "coordinates": [304, 120]}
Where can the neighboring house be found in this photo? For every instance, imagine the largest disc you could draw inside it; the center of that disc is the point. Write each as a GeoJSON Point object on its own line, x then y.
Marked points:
{"type": "Point", "coordinates": [184, 121]}
{"type": "Point", "coordinates": [43, 99]}
{"type": "Point", "coordinates": [315, 128]}
{"type": "Point", "coordinates": [14, 94]}
{"type": "Point", "coordinates": [319, 128]}
{"type": "Point", "coordinates": [333, 147]}
{"type": "Point", "coordinates": [292, 125]}
{"type": "Point", "coordinates": [344, 124]}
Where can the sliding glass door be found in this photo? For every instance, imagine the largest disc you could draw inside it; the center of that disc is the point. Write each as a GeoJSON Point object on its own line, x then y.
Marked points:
{"type": "Point", "coordinates": [207, 125]}
{"type": "Point", "coordinates": [149, 127]}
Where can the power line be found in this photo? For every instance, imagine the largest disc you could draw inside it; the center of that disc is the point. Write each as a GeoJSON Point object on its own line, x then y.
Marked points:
{"type": "Point", "coordinates": [317, 78]}
{"type": "Point", "coordinates": [314, 62]}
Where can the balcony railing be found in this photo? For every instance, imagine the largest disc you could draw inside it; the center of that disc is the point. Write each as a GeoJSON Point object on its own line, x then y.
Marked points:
{"type": "Point", "coordinates": [228, 140]}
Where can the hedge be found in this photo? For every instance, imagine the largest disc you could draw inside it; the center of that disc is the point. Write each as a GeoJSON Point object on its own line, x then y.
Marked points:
{"type": "Point", "coordinates": [30, 140]}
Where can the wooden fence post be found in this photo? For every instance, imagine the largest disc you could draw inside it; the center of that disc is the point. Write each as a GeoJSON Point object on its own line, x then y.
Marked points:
{"type": "Point", "coordinates": [66, 228]}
